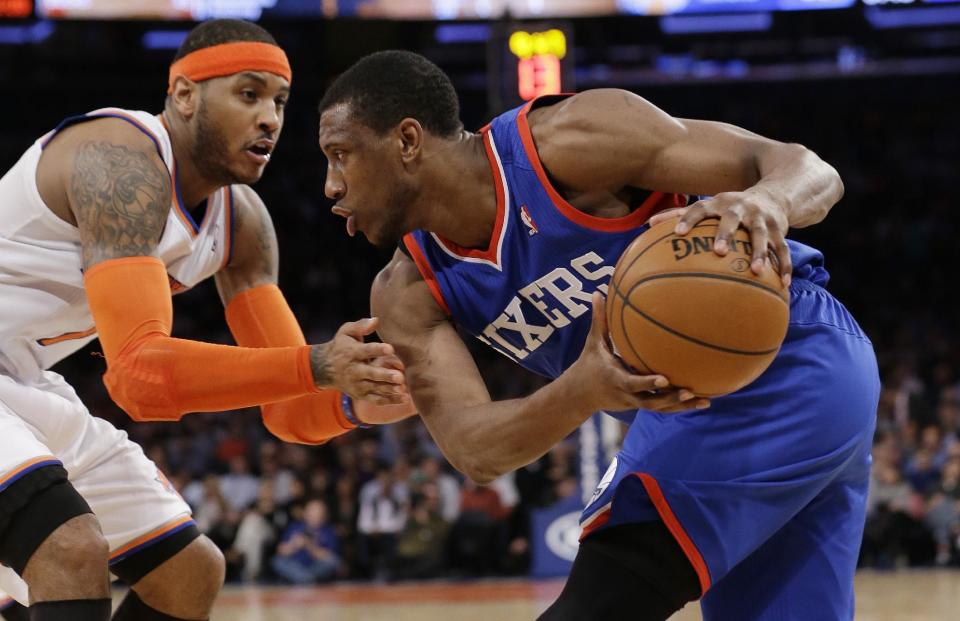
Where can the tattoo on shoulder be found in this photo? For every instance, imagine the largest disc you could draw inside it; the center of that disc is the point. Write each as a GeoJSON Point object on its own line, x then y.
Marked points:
{"type": "Point", "coordinates": [120, 198]}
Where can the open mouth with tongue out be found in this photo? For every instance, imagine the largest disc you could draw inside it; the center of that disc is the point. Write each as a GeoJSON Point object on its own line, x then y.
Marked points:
{"type": "Point", "coordinates": [351, 219]}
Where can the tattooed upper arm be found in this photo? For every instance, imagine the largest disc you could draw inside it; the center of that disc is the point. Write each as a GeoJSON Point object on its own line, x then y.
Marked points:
{"type": "Point", "coordinates": [255, 254]}
{"type": "Point", "coordinates": [120, 196]}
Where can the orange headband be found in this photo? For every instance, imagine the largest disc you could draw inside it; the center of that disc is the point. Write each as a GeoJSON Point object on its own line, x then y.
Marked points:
{"type": "Point", "coordinates": [229, 58]}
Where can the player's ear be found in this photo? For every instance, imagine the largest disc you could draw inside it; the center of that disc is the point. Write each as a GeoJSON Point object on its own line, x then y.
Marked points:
{"type": "Point", "coordinates": [185, 96]}
{"type": "Point", "coordinates": [410, 135]}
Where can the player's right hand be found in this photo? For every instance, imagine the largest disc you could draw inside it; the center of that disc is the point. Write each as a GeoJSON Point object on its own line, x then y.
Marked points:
{"type": "Point", "coordinates": [608, 384]}
{"type": "Point", "coordinates": [370, 371]}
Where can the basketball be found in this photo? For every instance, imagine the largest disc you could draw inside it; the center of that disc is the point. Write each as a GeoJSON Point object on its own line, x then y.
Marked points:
{"type": "Point", "coordinates": [705, 322]}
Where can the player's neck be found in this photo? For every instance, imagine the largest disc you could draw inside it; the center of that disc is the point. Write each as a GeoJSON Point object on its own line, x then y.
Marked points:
{"type": "Point", "coordinates": [461, 202]}
{"type": "Point", "coordinates": [194, 187]}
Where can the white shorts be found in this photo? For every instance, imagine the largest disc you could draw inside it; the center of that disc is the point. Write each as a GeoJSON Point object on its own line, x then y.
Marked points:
{"type": "Point", "coordinates": [43, 423]}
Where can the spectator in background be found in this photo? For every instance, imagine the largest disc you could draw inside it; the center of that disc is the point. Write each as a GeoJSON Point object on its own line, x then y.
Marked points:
{"type": "Point", "coordinates": [280, 478]}
{"type": "Point", "coordinates": [209, 505]}
{"type": "Point", "coordinates": [256, 535]}
{"type": "Point", "coordinates": [422, 544]}
{"type": "Point", "coordinates": [234, 443]}
{"type": "Point", "coordinates": [239, 486]}
{"type": "Point", "coordinates": [893, 534]}
{"type": "Point", "coordinates": [478, 535]}
{"type": "Point", "coordinates": [430, 472]}
{"type": "Point", "coordinates": [344, 517]}
{"type": "Point", "coordinates": [308, 551]}
{"type": "Point", "coordinates": [383, 512]}
{"type": "Point", "coordinates": [922, 471]}
{"type": "Point", "coordinates": [948, 415]}
{"type": "Point", "coordinates": [933, 441]}
{"type": "Point", "coordinates": [943, 513]}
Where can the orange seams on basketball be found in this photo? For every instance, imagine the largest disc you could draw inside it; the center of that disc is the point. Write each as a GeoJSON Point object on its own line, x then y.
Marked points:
{"type": "Point", "coordinates": [706, 322]}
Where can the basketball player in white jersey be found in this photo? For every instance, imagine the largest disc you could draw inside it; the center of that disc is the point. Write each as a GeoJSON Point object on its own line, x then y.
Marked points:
{"type": "Point", "coordinates": [99, 221]}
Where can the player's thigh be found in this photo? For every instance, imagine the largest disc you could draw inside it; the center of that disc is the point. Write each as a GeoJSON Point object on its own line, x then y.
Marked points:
{"type": "Point", "coordinates": [36, 497]}
{"type": "Point", "coordinates": [144, 519]}
{"type": "Point", "coordinates": [804, 571]}
{"type": "Point", "coordinates": [629, 572]}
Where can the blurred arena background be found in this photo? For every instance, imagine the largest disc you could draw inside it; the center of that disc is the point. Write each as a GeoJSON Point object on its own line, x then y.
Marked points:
{"type": "Point", "coordinates": [873, 86]}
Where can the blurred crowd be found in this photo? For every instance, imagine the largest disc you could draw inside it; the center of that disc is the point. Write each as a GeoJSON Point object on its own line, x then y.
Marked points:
{"type": "Point", "coordinates": [378, 504]}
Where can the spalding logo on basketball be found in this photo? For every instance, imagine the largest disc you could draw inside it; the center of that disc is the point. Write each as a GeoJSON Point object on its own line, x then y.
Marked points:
{"type": "Point", "coordinates": [706, 322]}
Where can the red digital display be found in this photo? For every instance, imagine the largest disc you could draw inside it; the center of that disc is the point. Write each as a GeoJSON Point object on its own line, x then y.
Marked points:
{"type": "Point", "coordinates": [16, 8]}
{"type": "Point", "coordinates": [538, 61]}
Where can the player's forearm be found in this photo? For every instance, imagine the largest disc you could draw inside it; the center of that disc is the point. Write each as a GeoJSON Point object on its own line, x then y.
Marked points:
{"type": "Point", "coordinates": [802, 183]}
{"type": "Point", "coordinates": [488, 440]}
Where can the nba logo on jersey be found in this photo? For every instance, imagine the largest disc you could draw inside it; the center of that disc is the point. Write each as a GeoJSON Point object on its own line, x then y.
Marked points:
{"type": "Point", "coordinates": [528, 221]}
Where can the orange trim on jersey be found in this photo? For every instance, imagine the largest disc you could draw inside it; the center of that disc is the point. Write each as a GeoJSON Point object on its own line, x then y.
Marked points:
{"type": "Point", "coordinates": [228, 226]}
{"type": "Point", "coordinates": [597, 520]}
{"type": "Point", "coordinates": [424, 266]}
{"type": "Point", "coordinates": [180, 210]}
{"type": "Point", "coordinates": [26, 466]}
{"type": "Point", "coordinates": [158, 532]}
{"type": "Point", "coordinates": [676, 529]}
{"type": "Point", "coordinates": [67, 336]}
{"type": "Point", "coordinates": [490, 254]}
{"type": "Point", "coordinates": [607, 225]}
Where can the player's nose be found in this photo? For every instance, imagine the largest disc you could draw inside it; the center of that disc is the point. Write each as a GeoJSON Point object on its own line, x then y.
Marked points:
{"type": "Point", "coordinates": [268, 120]}
{"type": "Point", "coordinates": [334, 187]}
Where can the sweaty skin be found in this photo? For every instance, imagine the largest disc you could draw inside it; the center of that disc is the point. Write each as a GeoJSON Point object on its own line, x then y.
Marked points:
{"type": "Point", "coordinates": [594, 161]}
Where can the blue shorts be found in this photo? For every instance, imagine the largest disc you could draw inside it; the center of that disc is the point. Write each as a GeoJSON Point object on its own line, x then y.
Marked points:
{"type": "Point", "coordinates": [765, 491]}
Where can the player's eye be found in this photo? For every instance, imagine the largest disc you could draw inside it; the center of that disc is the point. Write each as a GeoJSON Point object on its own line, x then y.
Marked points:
{"type": "Point", "coordinates": [248, 94]}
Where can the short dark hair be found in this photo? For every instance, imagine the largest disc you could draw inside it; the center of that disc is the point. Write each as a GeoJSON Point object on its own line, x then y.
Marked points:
{"type": "Point", "coordinates": [384, 88]}
{"type": "Point", "coordinates": [217, 31]}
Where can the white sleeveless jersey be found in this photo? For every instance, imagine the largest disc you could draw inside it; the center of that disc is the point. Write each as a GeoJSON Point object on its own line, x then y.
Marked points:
{"type": "Point", "coordinates": [44, 315]}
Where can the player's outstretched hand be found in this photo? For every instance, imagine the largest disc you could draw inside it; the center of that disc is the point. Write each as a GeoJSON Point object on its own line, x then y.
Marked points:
{"type": "Point", "coordinates": [607, 384]}
{"type": "Point", "coordinates": [754, 210]}
{"type": "Point", "coordinates": [368, 371]}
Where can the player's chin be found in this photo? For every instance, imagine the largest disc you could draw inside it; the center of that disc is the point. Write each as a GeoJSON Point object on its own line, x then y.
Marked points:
{"type": "Point", "coordinates": [382, 240]}
{"type": "Point", "coordinates": [248, 175]}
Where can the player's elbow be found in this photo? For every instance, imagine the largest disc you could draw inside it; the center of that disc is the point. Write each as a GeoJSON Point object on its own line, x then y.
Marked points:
{"type": "Point", "coordinates": [279, 422]}
{"type": "Point", "coordinates": [827, 186]}
{"type": "Point", "coordinates": [478, 470]}
{"type": "Point", "coordinates": [139, 382]}
{"type": "Point", "coordinates": [142, 394]}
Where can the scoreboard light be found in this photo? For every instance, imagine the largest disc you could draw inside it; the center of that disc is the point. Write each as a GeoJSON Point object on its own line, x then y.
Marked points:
{"type": "Point", "coordinates": [538, 61]}
{"type": "Point", "coordinates": [16, 8]}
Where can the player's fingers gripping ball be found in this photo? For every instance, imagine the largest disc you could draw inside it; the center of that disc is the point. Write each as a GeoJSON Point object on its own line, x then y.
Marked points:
{"type": "Point", "coordinates": [706, 322]}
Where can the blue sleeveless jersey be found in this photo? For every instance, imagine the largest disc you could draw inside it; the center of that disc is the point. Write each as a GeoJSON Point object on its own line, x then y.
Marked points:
{"type": "Point", "coordinates": [765, 491]}
{"type": "Point", "coordinates": [528, 293]}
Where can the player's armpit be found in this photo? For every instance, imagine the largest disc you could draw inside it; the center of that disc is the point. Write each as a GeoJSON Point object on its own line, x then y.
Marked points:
{"type": "Point", "coordinates": [155, 377]}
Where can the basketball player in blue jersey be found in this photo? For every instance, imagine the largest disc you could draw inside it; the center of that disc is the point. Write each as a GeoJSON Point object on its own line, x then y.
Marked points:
{"type": "Point", "coordinates": [753, 501]}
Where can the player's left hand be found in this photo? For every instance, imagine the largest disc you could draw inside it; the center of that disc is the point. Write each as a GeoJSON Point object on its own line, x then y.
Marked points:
{"type": "Point", "coordinates": [755, 210]}
{"type": "Point", "coordinates": [382, 414]}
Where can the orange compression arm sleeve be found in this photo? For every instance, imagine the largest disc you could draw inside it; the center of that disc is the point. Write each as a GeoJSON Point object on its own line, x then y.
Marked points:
{"type": "Point", "coordinates": [261, 317]}
{"type": "Point", "coordinates": [153, 376]}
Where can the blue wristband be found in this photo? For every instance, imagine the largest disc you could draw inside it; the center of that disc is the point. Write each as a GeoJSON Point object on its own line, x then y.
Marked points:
{"type": "Point", "coordinates": [347, 404]}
